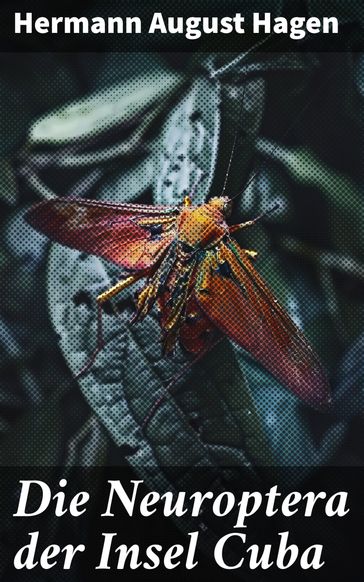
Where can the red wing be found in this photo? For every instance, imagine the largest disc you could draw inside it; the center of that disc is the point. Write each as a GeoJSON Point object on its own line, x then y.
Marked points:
{"type": "Point", "coordinates": [239, 303]}
{"type": "Point", "coordinates": [111, 231]}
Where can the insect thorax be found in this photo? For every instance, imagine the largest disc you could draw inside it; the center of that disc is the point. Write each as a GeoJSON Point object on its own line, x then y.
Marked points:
{"type": "Point", "coordinates": [202, 226]}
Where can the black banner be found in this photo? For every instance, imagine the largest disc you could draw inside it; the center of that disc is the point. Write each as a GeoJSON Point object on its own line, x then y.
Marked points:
{"type": "Point", "coordinates": [103, 523]}
{"type": "Point", "coordinates": [219, 26]}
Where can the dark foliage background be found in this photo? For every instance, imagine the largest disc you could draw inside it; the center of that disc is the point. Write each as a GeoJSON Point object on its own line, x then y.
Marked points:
{"type": "Point", "coordinates": [301, 141]}
{"type": "Point", "coordinates": [159, 121]}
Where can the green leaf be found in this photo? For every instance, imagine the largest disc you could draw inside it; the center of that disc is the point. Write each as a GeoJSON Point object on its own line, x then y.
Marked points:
{"type": "Point", "coordinates": [342, 195]}
{"type": "Point", "coordinates": [187, 146]}
{"type": "Point", "coordinates": [103, 110]}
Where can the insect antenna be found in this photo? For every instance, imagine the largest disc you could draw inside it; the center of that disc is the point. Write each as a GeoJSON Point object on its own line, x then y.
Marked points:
{"type": "Point", "coordinates": [230, 161]}
{"type": "Point", "coordinates": [234, 144]}
{"type": "Point", "coordinates": [222, 70]}
{"type": "Point", "coordinates": [241, 57]}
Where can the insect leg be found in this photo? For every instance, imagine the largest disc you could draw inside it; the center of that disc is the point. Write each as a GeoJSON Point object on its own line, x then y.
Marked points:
{"type": "Point", "coordinates": [240, 226]}
{"type": "Point", "coordinates": [105, 296]}
{"type": "Point", "coordinates": [251, 254]}
{"type": "Point", "coordinates": [120, 286]}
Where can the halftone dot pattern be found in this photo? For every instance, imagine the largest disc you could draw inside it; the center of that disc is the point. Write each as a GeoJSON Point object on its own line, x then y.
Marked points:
{"type": "Point", "coordinates": [227, 419]}
{"type": "Point", "coordinates": [307, 254]}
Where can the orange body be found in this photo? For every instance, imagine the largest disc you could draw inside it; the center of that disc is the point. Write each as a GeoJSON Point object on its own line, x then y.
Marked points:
{"type": "Point", "coordinates": [203, 226]}
{"type": "Point", "coordinates": [202, 282]}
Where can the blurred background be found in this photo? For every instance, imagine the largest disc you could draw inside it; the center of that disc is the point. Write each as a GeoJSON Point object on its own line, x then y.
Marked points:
{"type": "Point", "coordinates": [145, 126]}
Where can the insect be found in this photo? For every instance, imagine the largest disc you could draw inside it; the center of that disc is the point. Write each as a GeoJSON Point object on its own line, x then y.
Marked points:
{"type": "Point", "coordinates": [202, 282]}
